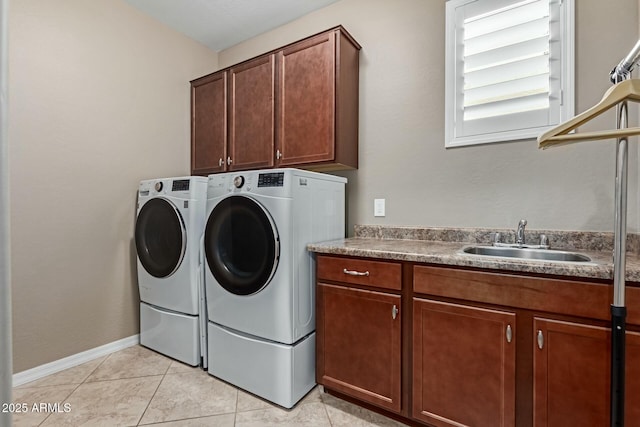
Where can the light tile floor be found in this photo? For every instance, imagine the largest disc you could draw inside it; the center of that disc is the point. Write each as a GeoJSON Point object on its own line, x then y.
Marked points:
{"type": "Point", "coordinates": [137, 386]}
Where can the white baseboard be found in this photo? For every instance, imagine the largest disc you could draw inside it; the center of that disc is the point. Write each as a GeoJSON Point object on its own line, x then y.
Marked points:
{"type": "Point", "coordinates": [73, 360]}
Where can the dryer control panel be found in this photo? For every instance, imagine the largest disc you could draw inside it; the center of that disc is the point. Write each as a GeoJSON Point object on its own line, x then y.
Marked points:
{"type": "Point", "coordinates": [180, 185]}
{"type": "Point", "coordinates": [272, 179]}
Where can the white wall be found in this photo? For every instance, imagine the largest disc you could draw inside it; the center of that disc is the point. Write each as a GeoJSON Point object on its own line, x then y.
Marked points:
{"type": "Point", "coordinates": [99, 99]}
{"type": "Point", "coordinates": [402, 154]}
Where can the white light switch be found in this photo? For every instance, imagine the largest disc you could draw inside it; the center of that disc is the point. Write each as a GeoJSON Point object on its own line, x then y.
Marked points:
{"type": "Point", "coordinates": [378, 207]}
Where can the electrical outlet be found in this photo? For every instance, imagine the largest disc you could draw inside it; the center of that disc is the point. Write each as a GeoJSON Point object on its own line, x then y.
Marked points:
{"type": "Point", "coordinates": [378, 207]}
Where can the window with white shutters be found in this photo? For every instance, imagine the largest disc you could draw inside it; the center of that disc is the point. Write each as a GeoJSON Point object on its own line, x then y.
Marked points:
{"type": "Point", "coordinates": [509, 69]}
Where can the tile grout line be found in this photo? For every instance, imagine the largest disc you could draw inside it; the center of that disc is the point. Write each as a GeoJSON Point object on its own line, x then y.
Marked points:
{"type": "Point", "coordinates": [48, 415]}
{"type": "Point", "coordinates": [76, 387]}
{"type": "Point", "coordinates": [154, 394]}
{"type": "Point", "coordinates": [326, 411]}
{"type": "Point", "coordinates": [235, 412]}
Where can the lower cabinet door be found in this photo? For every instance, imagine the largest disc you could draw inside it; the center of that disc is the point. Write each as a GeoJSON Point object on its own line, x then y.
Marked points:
{"type": "Point", "coordinates": [463, 365]}
{"type": "Point", "coordinates": [359, 344]}
{"type": "Point", "coordinates": [572, 375]}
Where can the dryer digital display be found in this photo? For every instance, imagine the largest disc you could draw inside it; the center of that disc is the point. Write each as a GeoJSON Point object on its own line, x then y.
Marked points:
{"type": "Point", "coordinates": [180, 185]}
{"type": "Point", "coordinates": [274, 179]}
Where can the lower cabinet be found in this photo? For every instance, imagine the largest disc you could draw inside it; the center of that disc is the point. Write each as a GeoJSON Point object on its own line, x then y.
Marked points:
{"type": "Point", "coordinates": [572, 374]}
{"type": "Point", "coordinates": [459, 360]}
{"type": "Point", "coordinates": [358, 337]}
{"type": "Point", "coordinates": [463, 365]}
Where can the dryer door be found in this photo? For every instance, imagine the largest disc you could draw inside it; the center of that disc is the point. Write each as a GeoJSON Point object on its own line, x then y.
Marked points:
{"type": "Point", "coordinates": [161, 237]}
{"type": "Point", "coordinates": [241, 245]}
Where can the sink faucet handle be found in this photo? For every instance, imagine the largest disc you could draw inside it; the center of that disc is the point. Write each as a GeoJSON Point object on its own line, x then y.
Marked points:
{"type": "Point", "coordinates": [520, 240]}
{"type": "Point", "coordinates": [544, 240]}
{"type": "Point", "coordinates": [496, 238]}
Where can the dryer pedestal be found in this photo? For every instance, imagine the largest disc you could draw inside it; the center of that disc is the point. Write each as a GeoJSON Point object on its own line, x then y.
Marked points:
{"type": "Point", "coordinates": [279, 373]}
{"type": "Point", "coordinates": [170, 333]}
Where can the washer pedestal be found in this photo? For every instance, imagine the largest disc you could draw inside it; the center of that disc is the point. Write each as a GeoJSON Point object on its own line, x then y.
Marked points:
{"type": "Point", "coordinates": [170, 333]}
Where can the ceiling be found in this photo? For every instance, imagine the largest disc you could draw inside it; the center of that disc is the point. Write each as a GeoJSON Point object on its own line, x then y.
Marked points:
{"type": "Point", "coordinates": [219, 24]}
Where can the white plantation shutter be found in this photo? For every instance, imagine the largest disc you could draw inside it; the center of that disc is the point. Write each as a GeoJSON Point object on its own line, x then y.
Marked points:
{"type": "Point", "coordinates": [509, 65]}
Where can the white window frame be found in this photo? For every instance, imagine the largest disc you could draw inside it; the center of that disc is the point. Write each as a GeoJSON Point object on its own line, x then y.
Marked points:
{"type": "Point", "coordinates": [562, 103]}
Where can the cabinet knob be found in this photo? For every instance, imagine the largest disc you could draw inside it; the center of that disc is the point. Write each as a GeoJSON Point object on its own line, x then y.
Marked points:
{"type": "Point", "coordinates": [278, 154]}
{"type": "Point", "coordinates": [229, 161]}
{"type": "Point", "coordinates": [355, 273]}
{"type": "Point", "coordinates": [220, 162]}
{"type": "Point", "coordinates": [540, 339]}
{"type": "Point", "coordinates": [509, 333]}
{"type": "Point", "coordinates": [394, 312]}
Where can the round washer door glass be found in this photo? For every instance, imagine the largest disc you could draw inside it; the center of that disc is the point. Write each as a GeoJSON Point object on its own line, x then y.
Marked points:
{"type": "Point", "coordinates": [161, 237]}
{"type": "Point", "coordinates": [241, 245]}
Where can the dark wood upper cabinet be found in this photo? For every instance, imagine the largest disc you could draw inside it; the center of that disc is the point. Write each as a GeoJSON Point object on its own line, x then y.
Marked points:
{"type": "Point", "coordinates": [318, 103]}
{"type": "Point", "coordinates": [306, 113]}
{"type": "Point", "coordinates": [209, 124]}
{"type": "Point", "coordinates": [251, 120]}
{"type": "Point", "coordinates": [296, 106]}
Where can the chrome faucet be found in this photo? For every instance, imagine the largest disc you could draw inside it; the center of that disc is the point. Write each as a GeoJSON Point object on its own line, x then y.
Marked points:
{"type": "Point", "coordinates": [520, 240]}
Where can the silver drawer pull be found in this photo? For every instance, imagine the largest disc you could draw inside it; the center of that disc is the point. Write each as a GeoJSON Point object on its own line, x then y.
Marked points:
{"type": "Point", "coordinates": [394, 312]}
{"type": "Point", "coordinates": [355, 273]}
{"type": "Point", "coordinates": [509, 333]}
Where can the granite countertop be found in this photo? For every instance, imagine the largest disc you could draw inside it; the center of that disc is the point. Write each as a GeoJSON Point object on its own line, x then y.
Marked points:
{"type": "Point", "coordinates": [444, 246]}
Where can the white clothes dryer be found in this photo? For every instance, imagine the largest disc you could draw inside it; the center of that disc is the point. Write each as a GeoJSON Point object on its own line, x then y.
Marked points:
{"type": "Point", "coordinates": [259, 277]}
{"type": "Point", "coordinates": [168, 235]}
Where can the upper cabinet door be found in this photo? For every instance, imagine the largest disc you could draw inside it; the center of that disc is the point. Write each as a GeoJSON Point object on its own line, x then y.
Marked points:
{"type": "Point", "coordinates": [209, 124]}
{"type": "Point", "coordinates": [251, 125]}
{"type": "Point", "coordinates": [306, 113]}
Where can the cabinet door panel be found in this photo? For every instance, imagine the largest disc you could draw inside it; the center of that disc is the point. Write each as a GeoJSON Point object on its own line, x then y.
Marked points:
{"type": "Point", "coordinates": [572, 375]}
{"type": "Point", "coordinates": [307, 75]}
{"type": "Point", "coordinates": [359, 344]}
{"type": "Point", "coordinates": [251, 139]}
{"type": "Point", "coordinates": [463, 365]}
{"type": "Point", "coordinates": [209, 124]}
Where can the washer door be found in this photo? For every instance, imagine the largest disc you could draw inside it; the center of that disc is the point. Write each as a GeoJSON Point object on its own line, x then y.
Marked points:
{"type": "Point", "coordinates": [161, 237]}
{"type": "Point", "coordinates": [241, 245]}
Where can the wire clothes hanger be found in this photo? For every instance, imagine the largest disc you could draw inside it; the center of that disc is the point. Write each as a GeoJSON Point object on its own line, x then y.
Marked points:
{"type": "Point", "coordinates": [624, 89]}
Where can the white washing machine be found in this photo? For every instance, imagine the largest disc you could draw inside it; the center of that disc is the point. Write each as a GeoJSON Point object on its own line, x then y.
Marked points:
{"type": "Point", "coordinates": [259, 276]}
{"type": "Point", "coordinates": [168, 234]}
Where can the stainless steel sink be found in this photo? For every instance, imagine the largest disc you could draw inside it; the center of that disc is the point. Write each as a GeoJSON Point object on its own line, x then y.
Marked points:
{"type": "Point", "coordinates": [526, 253]}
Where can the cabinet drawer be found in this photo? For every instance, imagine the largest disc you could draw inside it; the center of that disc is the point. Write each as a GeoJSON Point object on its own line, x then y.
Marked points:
{"type": "Point", "coordinates": [564, 296]}
{"type": "Point", "coordinates": [387, 275]}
